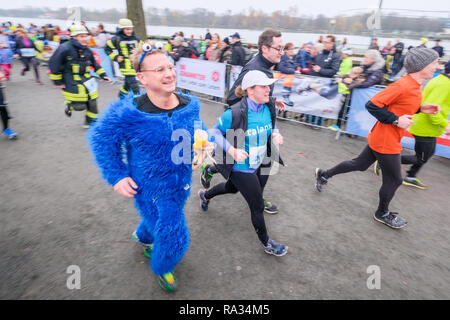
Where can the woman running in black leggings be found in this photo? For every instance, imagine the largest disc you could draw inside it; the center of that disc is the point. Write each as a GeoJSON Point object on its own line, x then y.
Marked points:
{"type": "Point", "coordinates": [248, 172]}
{"type": "Point", "coordinates": [394, 108]}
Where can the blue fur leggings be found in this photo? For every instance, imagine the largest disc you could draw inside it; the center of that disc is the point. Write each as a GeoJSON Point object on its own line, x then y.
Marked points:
{"type": "Point", "coordinates": [163, 224]}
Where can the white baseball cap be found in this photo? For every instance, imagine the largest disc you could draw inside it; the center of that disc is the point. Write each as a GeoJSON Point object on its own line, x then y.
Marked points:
{"type": "Point", "coordinates": [347, 51]}
{"type": "Point", "coordinates": [256, 78]}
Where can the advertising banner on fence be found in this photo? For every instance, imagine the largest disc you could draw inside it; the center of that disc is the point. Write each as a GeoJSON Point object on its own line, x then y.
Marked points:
{"type": "Point", "coordinates": [360, 122]}
{"type": "Point", "coordinates": [201, 76]}
{"type": "Point", "coordinates": [311, 95]}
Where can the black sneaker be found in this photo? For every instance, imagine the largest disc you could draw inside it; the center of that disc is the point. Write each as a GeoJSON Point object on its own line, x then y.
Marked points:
{"type": "Point", "coordinates": [205, 176]}
{"type": "Point", "coordinates": [320, 179]}
{"type": "Point", "coordinates": [67, 111]}
{"type": "Point", "coordinates": [203, 201]}
{"type": "Point", "coordinates": [391, 219]}
{"type": "Point", "coordinates": [270, 207]}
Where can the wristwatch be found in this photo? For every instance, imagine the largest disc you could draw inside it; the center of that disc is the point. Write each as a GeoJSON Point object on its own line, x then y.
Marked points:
{"type": "Point", "coordinates": [395, 122]}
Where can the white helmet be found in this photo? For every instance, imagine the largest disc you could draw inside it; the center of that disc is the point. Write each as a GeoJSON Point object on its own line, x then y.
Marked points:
{"type": "Point", "coordinates": [125, 23]}
{"type": "Point", "coordinates": [77, 29]}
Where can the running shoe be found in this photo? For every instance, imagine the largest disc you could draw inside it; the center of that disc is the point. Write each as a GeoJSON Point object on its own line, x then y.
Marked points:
{"type": "Point", "coordinates": [320, 179]}
{"type": "Point", "coordinates": [391, 219]}
{"type": "Point", "coordinates": [275, 248]}
{"type": "Point", "coordinates": [206, 176]}
{"type": "Point", "coordinates": [414, 182]}
{"type": "Point", "coordinates": [168, 281]}
{"type": "Point", "coordinates": [376, 168]}
{"type": "Point", "coordinates": [148, 248]}
{"type": "Point", "coordinates": [204, 203]}
{"type": "Point", "coordinates": [67, 111]}
{"type": "Point", "coordinates": [270, 207]}
{"type": "Point", "coordinates": [10, 133]}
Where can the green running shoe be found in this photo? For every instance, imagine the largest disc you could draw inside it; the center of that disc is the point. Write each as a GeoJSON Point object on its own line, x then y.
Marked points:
{"type": "Point", "coordinates": [148, 248]}
{"type": "Point", "coordinates": [205, 176]}
{"type": "Point", "coordinates": [270, 207]}
{"type": "Point", "coordinates": [414, 182]}
{"type": "Point", "coordinates": [168, 281]}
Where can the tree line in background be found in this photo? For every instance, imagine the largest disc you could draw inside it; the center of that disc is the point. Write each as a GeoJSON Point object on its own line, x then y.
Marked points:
{"type": "Point", "coordinates": [285, 20]}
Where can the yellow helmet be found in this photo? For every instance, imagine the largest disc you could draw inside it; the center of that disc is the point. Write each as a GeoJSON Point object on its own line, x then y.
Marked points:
{"type": "Point", "coordinates": [77, 29]}
{"type": "Point", "coordinates": [125, 23]}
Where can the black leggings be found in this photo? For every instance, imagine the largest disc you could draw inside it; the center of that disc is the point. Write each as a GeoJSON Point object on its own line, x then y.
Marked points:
{"type": "Point", "coordinates": [390, 168]}
{"type": "Point", "coordinates": [34, 62]}
{"type": "Point", "coordinates": [251, 186]}
{"type": "Point", "coordinates": [3, 111]}
{"type": "Point", "coordinates": [425, 148]}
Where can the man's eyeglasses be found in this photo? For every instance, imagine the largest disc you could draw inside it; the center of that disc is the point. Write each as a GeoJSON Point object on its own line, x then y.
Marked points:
{"type": "Point", "coordinates": [280, 50]}
{"type": "Point", "coordinates": [161, 70]}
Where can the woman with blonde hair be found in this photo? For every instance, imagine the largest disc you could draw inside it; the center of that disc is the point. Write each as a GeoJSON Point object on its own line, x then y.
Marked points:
{"type": "Point", "coordinates": [213, 52]}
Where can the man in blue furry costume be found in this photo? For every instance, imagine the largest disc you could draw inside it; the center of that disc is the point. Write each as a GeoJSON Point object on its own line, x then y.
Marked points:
{"type": "Point", "coordinates": [153, 132]}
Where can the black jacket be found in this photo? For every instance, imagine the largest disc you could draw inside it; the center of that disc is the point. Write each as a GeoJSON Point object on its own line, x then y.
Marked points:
{"type": "Point", "coordinates": [328, 61]}
{"type": "Point", "coordinates": [123, 44]}
{"type": "Point", "coordinates": [240, 121]}
{"type": "Point", "coordinates": [238, 54]}
{"type": "Point", "coordinates": [183, 51]}
{"type": "Point", "coordinates": [72, 56]}
{"type": "Point", "coordinates": [286, 65]}
{"type": "Point", "coordinates": [372, 74]}
{"type": "Point", "coordinates": [257, 63]}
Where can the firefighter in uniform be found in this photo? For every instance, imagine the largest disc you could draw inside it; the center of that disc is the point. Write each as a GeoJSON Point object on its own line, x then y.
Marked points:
{"type": "Point", "coordinates": [69, 70]}
{"type": "Point", "coordinates": [119, 48]}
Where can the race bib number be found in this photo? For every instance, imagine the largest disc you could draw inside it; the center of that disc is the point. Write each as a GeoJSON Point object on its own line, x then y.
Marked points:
{"type": "Point", "coordinates": [91, 85]}
{"type": "Point", "coordinates": [28, 52]}
{"type": "Point", "coordinates": [256, 156]}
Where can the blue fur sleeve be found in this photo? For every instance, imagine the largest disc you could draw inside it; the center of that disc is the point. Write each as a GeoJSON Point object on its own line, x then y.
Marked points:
{"type": "Point", "coordinates": [106, 143]}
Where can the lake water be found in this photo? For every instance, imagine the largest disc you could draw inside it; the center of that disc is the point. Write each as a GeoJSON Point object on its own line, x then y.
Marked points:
{"type": "Point", "coordinates": [360, 42]}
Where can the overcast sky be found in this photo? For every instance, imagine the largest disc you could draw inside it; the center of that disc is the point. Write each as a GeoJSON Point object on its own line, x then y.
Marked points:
{"type": "Point", "coordinates": [313, 7]}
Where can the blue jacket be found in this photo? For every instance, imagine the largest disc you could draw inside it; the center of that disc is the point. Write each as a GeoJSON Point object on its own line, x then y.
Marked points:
{"type": "Point", "coordinates": [144, 140]}
{"type": "Point", "coordinates": [286, 65]}
{"type": "Point", "coordinates": [302, 59]}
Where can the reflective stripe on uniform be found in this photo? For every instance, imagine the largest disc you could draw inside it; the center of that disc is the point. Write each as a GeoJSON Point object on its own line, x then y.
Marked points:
{"type": "Point", "coordinates": [128, 72]}
{"type": "Point", "coordinates": [55, 76]}
{"type": "Point", "coordinates": [124, 49]}
{"type": "Point", "coordinates": [112, 56]}
{"type": "Point", "coordinates": [76, 77]}
{"type": "Point", "coordinates": [123, 90]}
{"type": "Point", "coordinates": [76, 68]}
{"type": "Point", "coordinates": [81, 96]}
{"type": "Point", "coordinates": [93, 95]}
{"type": "Point", "coordinates": [100, 71]}
{"type": "Point", "coordinates": [91, 115]}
